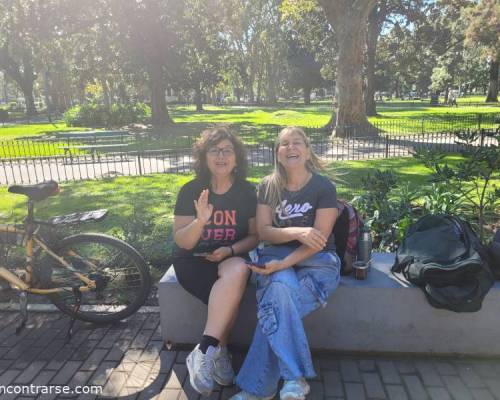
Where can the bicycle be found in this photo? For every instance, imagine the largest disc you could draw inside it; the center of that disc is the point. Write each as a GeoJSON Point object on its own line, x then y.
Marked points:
{"type": "Point", "coordinates": [89, 276]}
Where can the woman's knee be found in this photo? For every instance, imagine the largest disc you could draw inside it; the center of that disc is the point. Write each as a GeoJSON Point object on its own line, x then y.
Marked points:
{"type": "Point", "coordinates": [235, 270]}
{"type": "Point", "coordinates": [286, 277]}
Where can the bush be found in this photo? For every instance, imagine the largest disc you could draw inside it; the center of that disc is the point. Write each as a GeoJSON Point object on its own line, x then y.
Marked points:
{"type": "Point", "coordinates": [387, 208]}
{"type": "Point", "coordinates": [231, 100]}
{"type": "Point", "coordinates": [97, 115]}
{"type": "Point", "coordinates": [152, 238]}
{"type": "Point", "coordinates": [465, 190]}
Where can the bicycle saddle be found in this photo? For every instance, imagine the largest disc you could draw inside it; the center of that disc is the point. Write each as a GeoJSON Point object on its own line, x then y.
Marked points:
{"type": "Point", "coordinates": [37, 192]}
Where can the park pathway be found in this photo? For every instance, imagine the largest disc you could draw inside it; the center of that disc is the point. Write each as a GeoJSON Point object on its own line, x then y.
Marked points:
{"type": "Point", "coordinates": [63, 169]}
{"type": "Point", "coordinates": [128, 361]}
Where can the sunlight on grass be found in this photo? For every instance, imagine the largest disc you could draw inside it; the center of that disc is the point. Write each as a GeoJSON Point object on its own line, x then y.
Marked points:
{"type": "Point", "coordinates": [17, 131]}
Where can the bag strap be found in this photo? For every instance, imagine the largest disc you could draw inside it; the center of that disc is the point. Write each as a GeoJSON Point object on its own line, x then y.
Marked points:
{"type": "Point", "coordinates": [402, 266]}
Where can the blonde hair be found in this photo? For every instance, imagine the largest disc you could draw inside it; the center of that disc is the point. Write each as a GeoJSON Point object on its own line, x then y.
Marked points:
{"type": "Point", "coordinates": [277, 180]}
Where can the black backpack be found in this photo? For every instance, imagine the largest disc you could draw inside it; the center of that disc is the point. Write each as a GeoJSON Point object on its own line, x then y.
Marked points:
{"type": "Point", "coordinates": [443, 256]}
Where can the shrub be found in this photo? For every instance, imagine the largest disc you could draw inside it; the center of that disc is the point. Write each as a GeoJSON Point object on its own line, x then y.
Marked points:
{"type": "Point", "coordinates": [148, 236]}
{"type": "Point", "coordinates": [387, 209]}
{"type": "Point", "coordinates": [231, 100]}
{"type": "Point", "coordinates": [467, 187]}
{"type": "Point", "coordinates": [96, 115]}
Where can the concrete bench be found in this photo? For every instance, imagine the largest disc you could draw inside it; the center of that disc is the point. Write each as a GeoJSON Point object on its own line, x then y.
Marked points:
{"type": "Point", "coordinates": [381, 315]}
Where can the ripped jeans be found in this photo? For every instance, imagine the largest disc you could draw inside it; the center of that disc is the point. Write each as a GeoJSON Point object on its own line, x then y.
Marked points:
{"type": "Point", "coordinates": [279, 347]}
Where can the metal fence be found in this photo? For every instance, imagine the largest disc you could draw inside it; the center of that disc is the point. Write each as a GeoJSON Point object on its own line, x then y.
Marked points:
{"type": "Point", "coordinates": [22, 162]}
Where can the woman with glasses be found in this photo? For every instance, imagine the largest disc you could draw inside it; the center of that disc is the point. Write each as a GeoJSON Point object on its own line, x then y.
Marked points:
{"type": "Point", "coordinates": [214, 229]}
{"type": "Point", "coordinates": [296, 273]}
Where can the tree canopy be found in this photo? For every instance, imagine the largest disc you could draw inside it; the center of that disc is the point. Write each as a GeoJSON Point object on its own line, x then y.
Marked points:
{"type": "Point", "coordinates": [251, 51]}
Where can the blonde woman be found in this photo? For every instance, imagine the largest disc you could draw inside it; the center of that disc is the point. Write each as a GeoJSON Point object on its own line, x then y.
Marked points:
{"type": "Point", "coordinates": [296, 273]}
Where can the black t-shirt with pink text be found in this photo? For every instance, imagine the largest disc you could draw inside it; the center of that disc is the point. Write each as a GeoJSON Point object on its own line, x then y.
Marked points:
{"type": "Point", "coordinates": [229, 221]}
{"type": "Point", "coordinates": [299, 208]}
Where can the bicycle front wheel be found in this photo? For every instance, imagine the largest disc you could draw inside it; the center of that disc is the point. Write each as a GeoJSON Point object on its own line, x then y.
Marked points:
{"type": "Point", "coordinates": [121, 275]}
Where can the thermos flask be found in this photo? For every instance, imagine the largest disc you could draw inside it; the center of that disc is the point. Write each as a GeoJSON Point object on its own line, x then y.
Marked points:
{"type": "Point", "coordinates": [365, 245]}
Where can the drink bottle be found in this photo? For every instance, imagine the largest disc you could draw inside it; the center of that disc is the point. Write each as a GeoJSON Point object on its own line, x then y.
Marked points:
{"type": "Point", "coordinates": [365, 245]}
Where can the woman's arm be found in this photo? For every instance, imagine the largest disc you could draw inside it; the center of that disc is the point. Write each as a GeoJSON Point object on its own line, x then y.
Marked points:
{"type": "Point", "coordinates": [240, 247]}
{"type": "Point", "coordinates": [188, 228]}
{"type": "Point", "coordinates": [250, 242]}
{"type": "Point", "coordinates": [323, 222]}
{"type": "Point", "coordinates": [187, 231]}
{"type": "Point", "coordinates": [311, 237]}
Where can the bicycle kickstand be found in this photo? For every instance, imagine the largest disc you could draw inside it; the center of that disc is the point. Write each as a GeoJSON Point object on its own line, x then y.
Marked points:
{"type": "Point", "coordinates": [23, 310]}
{"type": "Point", "coordinates": [78, 301]}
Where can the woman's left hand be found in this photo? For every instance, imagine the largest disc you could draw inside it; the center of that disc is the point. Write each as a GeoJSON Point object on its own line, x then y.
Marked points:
{"type": "Point", "coordinates": [270, 267]}
{"type": "Point", "coordinates": [219, 254]}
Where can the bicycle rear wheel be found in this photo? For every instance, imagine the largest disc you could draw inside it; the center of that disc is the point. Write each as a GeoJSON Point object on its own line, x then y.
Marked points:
{"type": "Point", "coordinates": [122, 278]}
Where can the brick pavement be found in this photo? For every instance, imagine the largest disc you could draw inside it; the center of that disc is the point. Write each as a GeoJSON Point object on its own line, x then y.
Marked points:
{"type": "Point", "coordinates": [128, 361]}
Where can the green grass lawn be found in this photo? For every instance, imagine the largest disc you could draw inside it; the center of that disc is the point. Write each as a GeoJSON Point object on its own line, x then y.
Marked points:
{"type": "Point", "coordinates": [141, 208]}
{"type": "Point", "coordinates": [28, 130]}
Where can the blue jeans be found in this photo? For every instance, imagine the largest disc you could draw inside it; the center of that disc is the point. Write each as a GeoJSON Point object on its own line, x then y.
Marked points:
{"type": "Point", "coordinates": [279, 347]}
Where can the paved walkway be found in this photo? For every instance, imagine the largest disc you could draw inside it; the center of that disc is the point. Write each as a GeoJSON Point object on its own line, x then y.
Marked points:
{"type": "Point", "coordinates": [128, 361]}
{"type": "Point", "coordinates": [62, 169]}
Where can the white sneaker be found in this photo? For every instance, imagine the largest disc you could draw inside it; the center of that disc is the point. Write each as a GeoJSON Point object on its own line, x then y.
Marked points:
{"type": "Point", "coordinates": [247, 396]}
{"type": "Point", "coordinates": [223, 371]}
{"type": "Point", "coordinates": [201, 368]}
{"type": "Point", "coordinates": [295, 390]}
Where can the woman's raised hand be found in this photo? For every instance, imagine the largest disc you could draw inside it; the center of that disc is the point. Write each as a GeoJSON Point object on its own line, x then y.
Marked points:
{"type": "Point", "coordinates": [203, 208]}
{"type": "Point", "coordinates": [311, 237]}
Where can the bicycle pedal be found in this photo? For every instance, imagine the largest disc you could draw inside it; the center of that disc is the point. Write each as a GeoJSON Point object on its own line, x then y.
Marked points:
{"type": "Point", "coordinates": [23, 311]}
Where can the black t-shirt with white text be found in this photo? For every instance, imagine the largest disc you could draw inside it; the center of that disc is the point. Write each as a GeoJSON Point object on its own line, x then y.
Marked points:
{"type": "Point", "coordinates": [229, 221]}
{"type": "Point", "coordinates": [299, 208]}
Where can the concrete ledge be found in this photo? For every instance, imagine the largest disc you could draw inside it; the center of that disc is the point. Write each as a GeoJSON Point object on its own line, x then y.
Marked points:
{"type": "Point", "coordinates": [381, 314]}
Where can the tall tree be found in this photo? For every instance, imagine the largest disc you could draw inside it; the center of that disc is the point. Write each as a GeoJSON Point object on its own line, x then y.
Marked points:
{"type": "Point", "coordinates": [202, 52]}
{"type": "Point", "coordinates": [21, 32]}
{"type": "Point", "coordinates": [148, 31]}
{"type": "Point", "coordinates": [349, 22]}
{"type": "Point", "coordinates": [406, 11]}
{"type": "Point", "coordinates": [484, 29]}
{"type": "Point", "coordinates": [305, 71]}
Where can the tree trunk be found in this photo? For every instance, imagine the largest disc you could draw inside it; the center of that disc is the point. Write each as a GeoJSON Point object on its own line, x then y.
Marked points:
{"type": "Point", "coordinates": [348, 19]}
{"type": "Point", "coordinates": [198, 98]}
{"type": "Point", "coordinates": [159, 112]}
{"type": "Point", "coordinates": [271, 83]}
{"type": "Point", "coordinates": [375, 20]}
{"type": "Point", "coordinates": [105, 93]}
{"type": "Point", "coordinates": [351, 115]}
{"type": "Point", "coordinates": [307, 95]}
{"type": "Point", "coordinates": [26, 85]}
{"type": "Point", "coordinates": [492, 96]}
{"type": "Point", "coordinates": [259, 86]}
{"type": "Point", "coordinates": [250, 82]}
{"type": "Point", "coordinates": [122, 93]}
{"type": "Point", "coordinates": [27, 89]}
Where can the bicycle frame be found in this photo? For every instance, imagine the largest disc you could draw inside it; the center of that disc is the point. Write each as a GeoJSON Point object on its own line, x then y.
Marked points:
{"type": "Point", "coordinates": [29, 233]}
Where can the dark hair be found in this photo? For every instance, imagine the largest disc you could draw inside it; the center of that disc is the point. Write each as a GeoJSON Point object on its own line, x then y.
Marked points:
{"type": "Point", "coordinates": [210, 138]}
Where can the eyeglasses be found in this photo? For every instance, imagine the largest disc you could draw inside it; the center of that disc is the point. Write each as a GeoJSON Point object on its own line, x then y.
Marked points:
{"type": "Point", "coordinates": [226, 151]}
